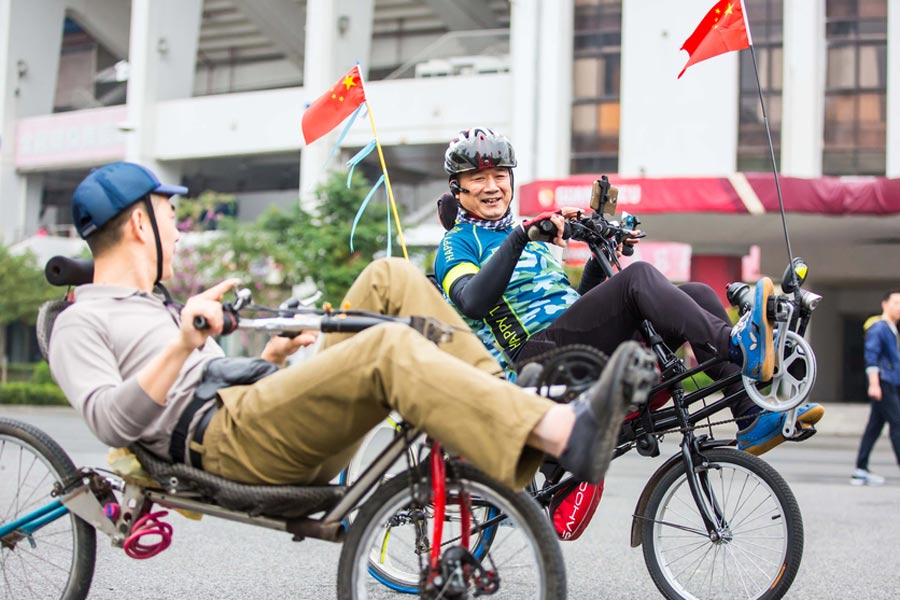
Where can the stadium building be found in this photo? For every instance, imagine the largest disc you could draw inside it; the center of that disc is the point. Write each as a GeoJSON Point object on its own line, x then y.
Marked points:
{"type": "Point", "coordinates": [211, 93]}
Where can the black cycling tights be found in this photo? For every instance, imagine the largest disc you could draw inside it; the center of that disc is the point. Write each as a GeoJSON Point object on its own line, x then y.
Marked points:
{"type": "Point", "coordinates": [612, 312]}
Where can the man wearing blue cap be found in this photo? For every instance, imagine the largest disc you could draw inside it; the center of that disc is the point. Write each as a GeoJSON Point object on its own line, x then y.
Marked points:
{"type": "Point", "coordinates": [131, 362]}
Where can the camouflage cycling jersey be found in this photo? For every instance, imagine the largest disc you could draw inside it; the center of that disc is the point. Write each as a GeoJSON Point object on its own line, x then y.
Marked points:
{"type": "Point", "coordinates": [537, 294]}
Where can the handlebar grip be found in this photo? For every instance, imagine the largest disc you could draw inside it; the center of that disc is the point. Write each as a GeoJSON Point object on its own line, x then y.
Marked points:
{"type": "Point", "coordinates": [546, 231]}
{"type": "Point", "coordinates": [627, 249]}
{"type": "Point", "coordinates": [229, 322]}
{"type": "Point", "coordinates": [541, 230]}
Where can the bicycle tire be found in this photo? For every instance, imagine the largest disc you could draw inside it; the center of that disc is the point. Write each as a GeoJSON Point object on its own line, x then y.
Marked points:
{"type": "Point", "coordinates": [33, 460]}
{"type": "Point", "coordinates": [765, 531]}
{"type": "Point", "coordinates": [525, 527]}
{"type": "Point", "coordinates": [370, 447]}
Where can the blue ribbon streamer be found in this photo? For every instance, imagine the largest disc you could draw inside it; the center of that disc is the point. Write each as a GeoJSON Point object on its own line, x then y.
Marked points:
{"type": "Point", "coordinates": [362, 209]}
{"type": "Point", "coordinates": [357, 158]}
{"type": "Point", "coordinates": [341, 137]}
{"type": "Point", "coordinates": [389, 236]}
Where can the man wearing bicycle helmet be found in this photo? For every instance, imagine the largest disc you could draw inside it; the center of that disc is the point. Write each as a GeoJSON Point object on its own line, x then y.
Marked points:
{"type": "Point", "coordinates": [515, 295]}
{"type": "Point", "coordinates": [130, 359]}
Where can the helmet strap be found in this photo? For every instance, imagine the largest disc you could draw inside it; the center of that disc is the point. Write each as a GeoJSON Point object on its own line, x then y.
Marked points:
{"type": "Point", "coordinates": [148, 202]}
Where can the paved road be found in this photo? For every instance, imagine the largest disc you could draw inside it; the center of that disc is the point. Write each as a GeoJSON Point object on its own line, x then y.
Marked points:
{"type": "Point", "coordinates": [851, 551]}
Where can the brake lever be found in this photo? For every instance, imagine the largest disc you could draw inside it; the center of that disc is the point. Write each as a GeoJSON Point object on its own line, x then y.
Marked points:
{"type": "Point", "coordinates": [244, 298]}
{"type": "Point", "coordinates": [433, 330]}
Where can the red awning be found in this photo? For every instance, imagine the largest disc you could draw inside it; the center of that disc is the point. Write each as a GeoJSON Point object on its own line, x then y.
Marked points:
{"type": "Point", "coordinates": [829, 195]}
{"type": "Point", "coordinates": [740, 194]}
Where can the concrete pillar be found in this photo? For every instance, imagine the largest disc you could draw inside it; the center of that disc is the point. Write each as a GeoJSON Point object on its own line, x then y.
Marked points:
{"type": "Point", "coordinates": [892, 166]}
{"type": "Point", "coordinates": [541, 70]}
{"type": "Point", "coordinates": [803, 91]}
{"type": "Point", "coordinates": [30, 43]}
{"type": "Point", "coordinates": [525, 31]}
{"type": "Point", "coordinates": [555, 60]}
{"type": "Point", "coordinates": [338, 34]}
{"type": "Point", "coordinates": [162, 55]}
{"type": "Point", "coordinates": [669, 126]}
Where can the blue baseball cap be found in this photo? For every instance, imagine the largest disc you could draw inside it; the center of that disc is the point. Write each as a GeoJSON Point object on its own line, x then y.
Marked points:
{"type": "Point", "coordinates": [112, 188]}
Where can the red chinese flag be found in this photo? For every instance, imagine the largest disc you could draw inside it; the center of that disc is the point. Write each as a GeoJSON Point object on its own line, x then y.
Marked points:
{"type": "Point", "coordinates": [722, 30]}
{"type": "Point", "coordinates": [333, 106]}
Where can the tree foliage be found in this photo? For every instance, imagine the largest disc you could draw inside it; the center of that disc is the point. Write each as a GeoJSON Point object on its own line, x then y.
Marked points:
{"type": "Point", "coordinates": [283, 248]}
{"type": "Point", "coordinates": [24, 288]}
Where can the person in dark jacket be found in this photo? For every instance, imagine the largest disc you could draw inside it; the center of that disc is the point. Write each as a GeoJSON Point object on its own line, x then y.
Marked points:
{"type": "Point", "coordinates": [883, 370]}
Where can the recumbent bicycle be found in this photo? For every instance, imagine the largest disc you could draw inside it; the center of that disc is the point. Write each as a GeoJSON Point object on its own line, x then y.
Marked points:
{"type": "Point", "coordinates": [713, 521]}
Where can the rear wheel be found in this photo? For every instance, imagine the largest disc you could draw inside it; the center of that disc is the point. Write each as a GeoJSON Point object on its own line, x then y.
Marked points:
{"type": "Point", "coordinates": [761, 546]}
{"type": "Point", "coordinates": [397, 522]}
{"type": "Point", "coordinates": [56, 560]}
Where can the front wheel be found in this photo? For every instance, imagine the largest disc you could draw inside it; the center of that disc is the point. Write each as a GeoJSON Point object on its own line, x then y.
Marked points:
{"type": "Point", "coordinates": [56, 560]}
{"type": "Point", "coordinates": [523, 558]}
{"type": "Point", "coordinates": [761, 544]}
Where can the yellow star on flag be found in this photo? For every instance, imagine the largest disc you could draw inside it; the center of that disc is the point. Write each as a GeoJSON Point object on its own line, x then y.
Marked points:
{"type": "Point", "coordinates": [348, 82]}
{"type": "Point", "coordinates": [729, 10]}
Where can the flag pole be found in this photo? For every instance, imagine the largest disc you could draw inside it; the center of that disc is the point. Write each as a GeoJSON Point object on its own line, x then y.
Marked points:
{"type": "Point", "coordinates": [762, 103]}
{"type": "Point", "coordinates": [384, 171]}
{"type": "Point", "coordinates": [387, 181]}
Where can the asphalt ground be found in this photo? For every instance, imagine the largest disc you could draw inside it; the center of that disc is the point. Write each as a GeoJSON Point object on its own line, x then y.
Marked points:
{"type": "Point", "coordinates": [852, 534]}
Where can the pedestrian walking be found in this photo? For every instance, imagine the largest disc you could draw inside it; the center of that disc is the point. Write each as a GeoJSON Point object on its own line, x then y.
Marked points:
{"type": "Point", "coordinates": [882, 356]}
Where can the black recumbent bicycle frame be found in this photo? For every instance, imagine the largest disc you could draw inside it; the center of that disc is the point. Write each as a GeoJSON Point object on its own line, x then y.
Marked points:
{"type": "Point", "coordinates": [645, 430]}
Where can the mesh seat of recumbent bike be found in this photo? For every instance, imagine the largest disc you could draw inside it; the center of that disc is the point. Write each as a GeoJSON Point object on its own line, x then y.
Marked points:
{"type": "Point", "coordinates": [279, 501]}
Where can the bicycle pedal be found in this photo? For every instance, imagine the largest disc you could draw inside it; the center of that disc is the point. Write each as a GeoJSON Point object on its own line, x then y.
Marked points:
{"type": "Point", "coordinates": [803, 431]}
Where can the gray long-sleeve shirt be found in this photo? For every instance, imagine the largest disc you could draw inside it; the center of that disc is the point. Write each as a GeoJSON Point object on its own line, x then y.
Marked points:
{"type": "Point", "coordinates": [97, 347]}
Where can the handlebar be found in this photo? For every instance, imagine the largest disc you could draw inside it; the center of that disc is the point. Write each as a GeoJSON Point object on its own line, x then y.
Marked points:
{"type": "Point", "coordinates": [604, 238]}
{"type": "Point", "coordinates": [332, 322]}
{"type": "Point", "coordinates": [229, 322]}
{"type": "Point", "coordinates": [548, 229]}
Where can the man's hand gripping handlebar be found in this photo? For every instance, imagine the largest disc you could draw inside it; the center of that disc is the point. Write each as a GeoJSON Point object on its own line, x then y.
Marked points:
{"type": "Point", "coordinates": [288, 321]}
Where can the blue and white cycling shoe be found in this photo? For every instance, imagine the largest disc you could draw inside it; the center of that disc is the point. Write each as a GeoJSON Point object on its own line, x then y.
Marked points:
{"type": "Point", "coordinates": [752, 336]}
{"type": "Point", "coordinates": [765, 431]}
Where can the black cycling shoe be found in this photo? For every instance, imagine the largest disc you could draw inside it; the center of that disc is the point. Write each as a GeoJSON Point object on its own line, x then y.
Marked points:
{"type": "Point", "coordinates": [623, 385]}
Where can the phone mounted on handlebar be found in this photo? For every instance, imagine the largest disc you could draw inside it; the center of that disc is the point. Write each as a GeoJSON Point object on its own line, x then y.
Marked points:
{"type": "Point", "coordinates": [605, 238]}
{"type": "Point", "coordinates": [604, 197]}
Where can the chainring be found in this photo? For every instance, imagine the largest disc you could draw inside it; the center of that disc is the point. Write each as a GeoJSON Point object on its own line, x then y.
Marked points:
{"type": "Point", "coordinates": [575, 366]}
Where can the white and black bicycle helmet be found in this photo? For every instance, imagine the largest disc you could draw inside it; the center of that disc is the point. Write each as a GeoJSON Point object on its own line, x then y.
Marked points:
{"type": "Point", "coordinates": [478, 148]}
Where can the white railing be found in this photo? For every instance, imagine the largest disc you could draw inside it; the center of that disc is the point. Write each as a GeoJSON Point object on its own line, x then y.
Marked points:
{"type": "Point", "coordinates": [460, 53]}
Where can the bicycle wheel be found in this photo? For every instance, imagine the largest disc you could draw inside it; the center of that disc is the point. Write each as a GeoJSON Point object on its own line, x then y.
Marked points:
{"type": "Point", "coordinates": [57, 560]}
{"type": "Point", "coordinates": [373, 443]}
{"type": "Point", "coordinates": [523, 551]}
{"type": "Point", "coordinates": [760, 551]}
{"type": "Point", "coordinates": [383, 566]}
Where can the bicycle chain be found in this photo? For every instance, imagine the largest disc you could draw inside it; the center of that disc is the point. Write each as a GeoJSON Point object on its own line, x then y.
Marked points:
{"type": "Point", "coordinates": [699, 426]}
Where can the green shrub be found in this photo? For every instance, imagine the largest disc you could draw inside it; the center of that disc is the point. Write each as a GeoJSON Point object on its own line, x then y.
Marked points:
{"type": "Point", "coordinates": [18, 371]}
{"type": "Point", "coordinates": [698, 381]}
{"type": "Point", "coordinates": [47, 394]}
{"type": "Point", "coordinates": [41, 373]}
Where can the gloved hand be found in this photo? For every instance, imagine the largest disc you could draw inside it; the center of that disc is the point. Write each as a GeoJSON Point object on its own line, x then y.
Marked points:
{"type": "Point", "coordinates": [542, 228]}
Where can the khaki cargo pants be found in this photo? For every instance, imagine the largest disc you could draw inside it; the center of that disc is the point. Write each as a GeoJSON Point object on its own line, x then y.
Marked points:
{"type": "Point", "coordinates": [303, 423]}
